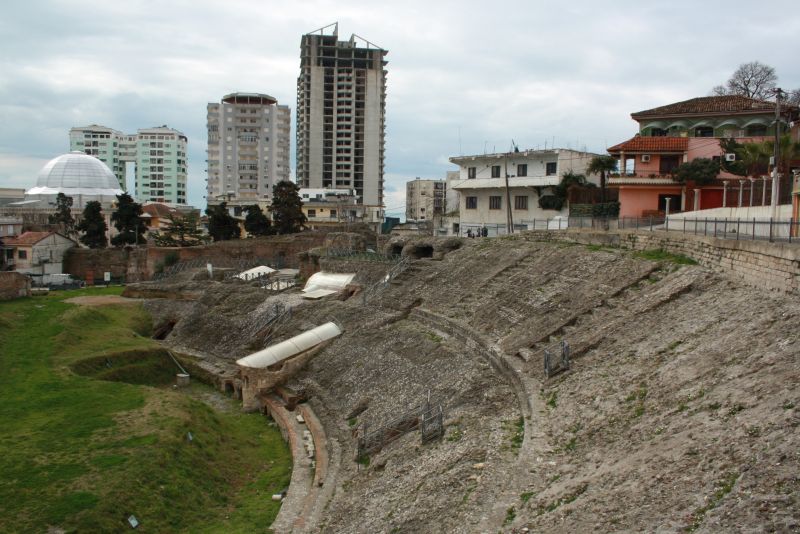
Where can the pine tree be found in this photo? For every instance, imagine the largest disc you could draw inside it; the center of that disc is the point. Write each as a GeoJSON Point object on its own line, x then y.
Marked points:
{"type": "Point", "coordinates": [256, 223]}
{"type": "Point", "coordinates": [127, 220]}
{"type": "Point", "coordinates": [63, 215]}
{"type": "Point", "coordinates": [183, 231]}
{"type": "Point", "coordinates": [221, 225]}
{"type": "Point", "coordinates": [287, 208]}
{"type": "Point", "coordinates": [93, 225]}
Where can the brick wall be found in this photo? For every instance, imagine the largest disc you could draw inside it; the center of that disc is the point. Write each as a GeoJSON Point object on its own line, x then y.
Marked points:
{"type": "Point", "coordinates": [14, 285]}
{"type": "Point", "coordinates": [775, 266]}
{"type": "Point", "coordinates": [140, 264]}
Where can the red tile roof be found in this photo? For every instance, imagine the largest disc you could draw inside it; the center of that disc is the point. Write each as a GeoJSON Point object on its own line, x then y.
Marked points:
{"type": "Point", "coordinates": [27, 238]}
{"type": "Point", "coordinates": [652, 144]}
{"type": "Point", "coordinates": [710, 104]}
{"type": "Point", "coordinates": [158, 210]}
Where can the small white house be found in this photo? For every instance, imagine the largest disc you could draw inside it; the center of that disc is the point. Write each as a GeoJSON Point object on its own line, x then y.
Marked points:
{"type": "Point", "coordinates": [37, 252]}
{"type": "Point", "coordinates": [484, 199]}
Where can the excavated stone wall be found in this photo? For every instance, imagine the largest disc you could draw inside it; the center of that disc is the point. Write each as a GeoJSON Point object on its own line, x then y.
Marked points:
{"type": "Point", "coordinates": [774, 266]}
{"type": "Point", "coordinates": [14, 285]}
{"type": "Point", "coordinates": [679, 411]}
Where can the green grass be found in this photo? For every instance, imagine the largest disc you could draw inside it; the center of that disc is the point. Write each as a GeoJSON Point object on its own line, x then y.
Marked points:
{"type": "Point", "coordinates": [83, 446]}
{"type": "Point", "coordinates": [664, 256]}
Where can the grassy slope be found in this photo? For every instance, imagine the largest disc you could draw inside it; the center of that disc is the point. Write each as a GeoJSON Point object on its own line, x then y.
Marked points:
{"type": "Point", "coordinates": [83, 454]}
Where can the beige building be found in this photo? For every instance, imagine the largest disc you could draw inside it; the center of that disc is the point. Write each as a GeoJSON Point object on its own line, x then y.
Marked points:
{"type": "Point", "coordinates": [341, 103]}
{"type": "Point", "coordinates": [425, 199]}
{"type": "Point", "coordinates": [485, 200]}
{"type": "Point", "coordinates": [330, 207]}
{"type": "Point", "coordinates": [248, 149]}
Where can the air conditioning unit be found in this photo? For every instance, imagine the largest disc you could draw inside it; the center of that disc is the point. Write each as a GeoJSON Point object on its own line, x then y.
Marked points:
{"type": "Point", "coordinates": [730, 157]}
{"type": "Point", "coordinates": [645, 158]}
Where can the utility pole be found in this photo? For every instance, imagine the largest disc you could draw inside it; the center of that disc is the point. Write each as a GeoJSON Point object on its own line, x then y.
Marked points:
{"type": "Point", "coordinates": [509, 217]}
{"type": "Point", "coordinates": [776, 154]}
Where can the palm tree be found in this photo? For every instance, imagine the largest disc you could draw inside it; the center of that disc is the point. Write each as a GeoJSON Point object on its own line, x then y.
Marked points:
{"type": "Point", "coordinates": [601, 165]}
{"type": "Point", "coordinates": [789, 151]}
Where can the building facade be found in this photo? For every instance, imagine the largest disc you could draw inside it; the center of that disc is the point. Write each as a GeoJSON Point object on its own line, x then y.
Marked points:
{"type": "Point", "coordinates": [341, 104]}
{"type": "Point", "coordinates": [425, 199]}
{"type": "Point", "coordinates": [37, 252]}
{"type": "Point", "coordinates": [682, 132]}
{"type": "Point", "coordinates": [330, 207]}
{"type": "Point", "coordinates": [485, 201]}
{"type": "Point", "coordinates": [159, 156]}
{"type": "Point", "coordinates": [248, 149]}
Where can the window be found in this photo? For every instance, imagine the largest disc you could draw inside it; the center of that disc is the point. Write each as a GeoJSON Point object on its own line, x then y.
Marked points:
{"type": "Point", "coordinates": [312, 213]}
{"type": "Point", "coordinates": [495, 203]}
{"type": "Point", "coordinates": [704, 131]}
{"type": "Point", "coordinates": [472, 203]}
{"type": "Point", "coordinates": [550, 168]}
{"type": "Point", "coordinates": [333, 214]}
{"type": "Point", "coordinates": [522, 169]}
{"type": "Point", "coordinates": [521, 203]}
{"type": "Point", "coordinates": [658, 132]}
{"type": "Point", "coordinates": [495, 171]}
{"type": "Point", "coordinates": [22, 254]}
{"type": "Point", "coordinates": [471, 171]}
{"type": "Point", "coordinates": [756, 130]}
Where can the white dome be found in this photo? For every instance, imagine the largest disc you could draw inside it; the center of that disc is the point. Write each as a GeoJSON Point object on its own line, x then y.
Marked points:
{"type": "Point", "coordinates": [77, 171]}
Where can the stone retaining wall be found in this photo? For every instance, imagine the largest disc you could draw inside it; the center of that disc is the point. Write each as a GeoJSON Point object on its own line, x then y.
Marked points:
{"type": "Point", "coordinates": [136, 264]}
{"type": "Point", "coordinates": [14, 285]}
{"type": "Point", "coordinates": [775, 266]}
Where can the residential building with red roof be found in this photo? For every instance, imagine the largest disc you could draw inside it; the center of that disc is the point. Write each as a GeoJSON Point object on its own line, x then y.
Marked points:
{"type": "Point", "coordinates": [684, 131]}
{"type": "Point", "coordinates": [36, 252]}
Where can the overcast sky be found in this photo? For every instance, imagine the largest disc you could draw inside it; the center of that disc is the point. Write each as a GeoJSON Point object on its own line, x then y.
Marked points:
{"type": "Point", "coordinates": [464, 76]}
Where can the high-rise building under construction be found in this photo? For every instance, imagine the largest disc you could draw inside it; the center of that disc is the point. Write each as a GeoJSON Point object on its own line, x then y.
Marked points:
{"type": "Point", "coordinates": [341, 109]}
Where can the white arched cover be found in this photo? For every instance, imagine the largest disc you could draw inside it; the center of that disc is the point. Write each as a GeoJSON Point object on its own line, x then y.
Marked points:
{"type": "Point", "coordinates": [291, 347]}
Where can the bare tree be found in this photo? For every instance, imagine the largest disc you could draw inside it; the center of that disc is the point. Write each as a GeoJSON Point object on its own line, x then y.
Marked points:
{"type": "Point", "coordinates": [753, 80]}
{"type": "Point", "coordinates": [793, 97]}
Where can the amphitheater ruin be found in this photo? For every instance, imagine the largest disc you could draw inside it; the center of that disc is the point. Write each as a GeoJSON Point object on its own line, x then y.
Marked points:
{"type": "Point", "coordinates": [542, 382]}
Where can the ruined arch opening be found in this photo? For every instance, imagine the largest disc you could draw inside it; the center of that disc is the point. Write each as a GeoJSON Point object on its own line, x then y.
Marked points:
{"type": "Point", "coordinates": [421, 251]}
{"type": "Point", "coordinates": [229, 390]}
{"type": "Point", "coordinates": [396, 249]}
{"type": "Point", "coordinates": [163, 330]}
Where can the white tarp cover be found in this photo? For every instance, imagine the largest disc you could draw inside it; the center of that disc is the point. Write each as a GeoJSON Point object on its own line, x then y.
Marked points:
{"type": "Point", "coordinates": [286, 349]}
{"type": "Point", "coordinates": [330, 281]}
{"type": "Point", "coordinates": [255, 272]}
{"type": "Point", "coordinates": [318, 293]}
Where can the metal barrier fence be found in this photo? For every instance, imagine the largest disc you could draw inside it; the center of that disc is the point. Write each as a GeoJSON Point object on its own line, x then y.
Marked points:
{"type": "Point", "coordinates": [429, 418]}
{"type": "Point", "coordinates": [362, 255]}
{"type": "Point", "coordinates": [738, 229]}
{"type": "Point", "coordinates": [725, 228]}
{"type": "Point", "coordinates": [378, 286]}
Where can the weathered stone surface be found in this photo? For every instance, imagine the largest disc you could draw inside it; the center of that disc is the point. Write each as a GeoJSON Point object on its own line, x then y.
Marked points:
{"type": "Point", "coordinates": [679, 410]}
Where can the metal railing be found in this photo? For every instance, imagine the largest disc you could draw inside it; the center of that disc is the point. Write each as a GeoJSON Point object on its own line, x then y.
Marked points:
{"type": "Point", "coordinates": [428, 417]}
{"type": "Point", "coordinates": [381, 284]}
{"type": "Point", "coordinates": [739, 229]}
{"type": "Point", "coordinates": [780, 230]}
{"type": "Point", "coordinates": [361, 255]}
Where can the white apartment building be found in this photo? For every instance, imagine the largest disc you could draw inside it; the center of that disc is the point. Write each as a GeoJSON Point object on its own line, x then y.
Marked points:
{"type": "Point", "coordinates": [341, 103]}
{"type": "Point", "coordinates": [248, 149]}
{"type": "Point", "coordinates": [424, 199]}
{"type": "Point", "coordinates": [485, 200]}
{"type": "Point", "coordinates": [159, 155]}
